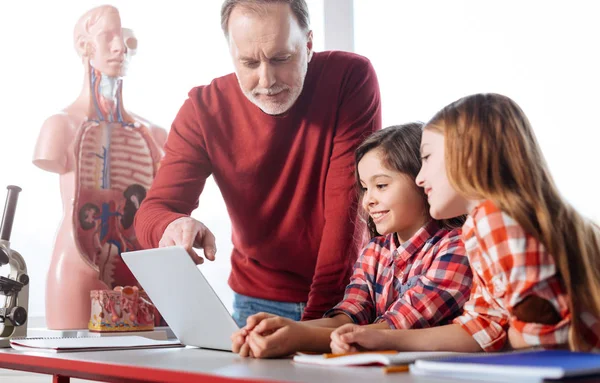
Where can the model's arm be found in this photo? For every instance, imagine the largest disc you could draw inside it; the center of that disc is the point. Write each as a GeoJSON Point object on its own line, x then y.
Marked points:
{"type": "Point", "coordinates": [179, 180]}
{"type": "Point", "coordinates": [359, 115]}
{"type": "Point", "coordinates": [51, 152]}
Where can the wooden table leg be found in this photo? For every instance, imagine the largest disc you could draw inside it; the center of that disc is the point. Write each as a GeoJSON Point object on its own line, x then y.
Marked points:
{"type": "Point", "coordinates": [60, 379]}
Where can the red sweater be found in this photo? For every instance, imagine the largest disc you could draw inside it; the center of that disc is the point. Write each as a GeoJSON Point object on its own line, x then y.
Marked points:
{"type": "Point", "coordinates": [287, 181]}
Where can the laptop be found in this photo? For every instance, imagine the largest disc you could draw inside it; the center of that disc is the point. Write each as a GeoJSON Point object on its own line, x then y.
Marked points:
{"type": "Point", "coordinates": [183, 296]}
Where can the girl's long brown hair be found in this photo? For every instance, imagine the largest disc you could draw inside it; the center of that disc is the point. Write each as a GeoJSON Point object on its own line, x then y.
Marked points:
{"type": "Point", "coordinates": [399, 146]}
{"type": "Point", "coordinates": [492, 153]}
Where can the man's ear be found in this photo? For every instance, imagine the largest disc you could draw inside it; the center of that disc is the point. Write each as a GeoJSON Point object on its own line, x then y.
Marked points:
{"type": "Point", "coordinates": [309, 45]}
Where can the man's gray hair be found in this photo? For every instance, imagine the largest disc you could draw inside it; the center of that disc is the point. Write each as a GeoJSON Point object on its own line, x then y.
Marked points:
{"type": "Point", "coordinates": [298, 7]}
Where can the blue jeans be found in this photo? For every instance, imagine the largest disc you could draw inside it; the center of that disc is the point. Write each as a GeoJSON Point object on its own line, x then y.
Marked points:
{"type": "Point", "coordinates": [244, 306]}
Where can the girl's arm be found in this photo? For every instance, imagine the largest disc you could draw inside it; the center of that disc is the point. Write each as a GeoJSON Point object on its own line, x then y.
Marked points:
{"type": "Point", "coordinates": [439, 292]}
{"type": "Point", "coordinates": [333, 322]}
{"type": "Point", "coordinates": [358, 304]}
{"type": "Point", "coordinates": [278, 336]}
{"type": "Point", "coordinates": [349, 338]}
{"type": "Point", "coordinates": [266, 335]}
{"type": "Point", "coordinates": [524, 276]}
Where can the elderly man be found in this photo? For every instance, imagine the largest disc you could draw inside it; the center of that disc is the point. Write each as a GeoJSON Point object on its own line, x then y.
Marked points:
{"type": "Point", "coordinates": [278, 136]}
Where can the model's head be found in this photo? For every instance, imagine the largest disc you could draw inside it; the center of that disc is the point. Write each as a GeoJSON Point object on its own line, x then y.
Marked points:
{"type": "Point", "coordinates": [98, 39]}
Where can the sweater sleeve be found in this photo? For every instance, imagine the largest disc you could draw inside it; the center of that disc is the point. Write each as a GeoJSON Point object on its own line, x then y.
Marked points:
{"type": "Point", "coordinates": [358, 115]}
{"type": "Point", "coordinates": [179, 179]}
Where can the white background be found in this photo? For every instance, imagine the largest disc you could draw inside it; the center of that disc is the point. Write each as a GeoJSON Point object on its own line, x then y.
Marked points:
{"type": "Point", "coordinates": [545, 55]}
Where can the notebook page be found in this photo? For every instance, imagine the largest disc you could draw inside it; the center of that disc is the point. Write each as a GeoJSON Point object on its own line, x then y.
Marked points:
{"type": "Point", "coordinates": [366, 358]}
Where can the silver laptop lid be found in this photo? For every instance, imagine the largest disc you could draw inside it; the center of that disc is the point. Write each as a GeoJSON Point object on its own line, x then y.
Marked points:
{"type": "Point", "coordinates": [183, 296]}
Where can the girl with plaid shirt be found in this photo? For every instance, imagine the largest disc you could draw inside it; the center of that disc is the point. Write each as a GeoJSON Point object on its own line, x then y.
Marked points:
{"type": "Point", "coordinates": [535, 260]}
{"type": "Point", "coordinates": [413, 273]}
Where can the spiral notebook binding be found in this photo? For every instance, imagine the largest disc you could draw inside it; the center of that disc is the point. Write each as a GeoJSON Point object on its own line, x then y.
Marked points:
{"type": "Point", "coordinates": [56, 337]}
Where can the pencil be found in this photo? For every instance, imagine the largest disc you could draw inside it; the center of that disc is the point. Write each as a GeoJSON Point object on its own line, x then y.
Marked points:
{"type": "Point", "coordinates": [391, 369]}
{"type": "Point", "coordinates": [327, 356]}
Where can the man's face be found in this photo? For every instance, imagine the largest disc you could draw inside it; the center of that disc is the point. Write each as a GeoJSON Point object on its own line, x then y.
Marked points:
{"type": "Point", "coordinates": [270, 53]}
{"type": "Point", "coordinates": [108, 53]}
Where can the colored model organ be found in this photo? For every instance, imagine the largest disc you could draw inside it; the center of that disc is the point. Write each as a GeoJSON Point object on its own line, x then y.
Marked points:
{"type": "Point", "coordinates": [121, 309]}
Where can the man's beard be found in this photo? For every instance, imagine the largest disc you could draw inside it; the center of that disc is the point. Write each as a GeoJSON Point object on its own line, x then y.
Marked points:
{"type": "Point", "coordinates": [275, 108]}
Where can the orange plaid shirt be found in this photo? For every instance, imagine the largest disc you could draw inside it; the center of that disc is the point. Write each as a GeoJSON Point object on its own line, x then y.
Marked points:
{"type": "Point", "coordinates": [508, 266]}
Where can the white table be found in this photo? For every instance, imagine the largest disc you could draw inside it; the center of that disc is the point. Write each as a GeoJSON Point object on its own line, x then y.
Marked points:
{"type": "Point", "coordinates": [185, 365]}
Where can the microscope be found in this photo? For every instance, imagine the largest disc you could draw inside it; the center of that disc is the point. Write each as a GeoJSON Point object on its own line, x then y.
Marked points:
{"type": "Point", "coordinates": [14, 289]}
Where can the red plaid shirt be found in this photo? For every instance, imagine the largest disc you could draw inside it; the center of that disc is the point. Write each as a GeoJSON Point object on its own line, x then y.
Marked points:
{"type": "Point", "coordinates": [423, 282]}
{"type": "Point", "coordinates": [508, 266]}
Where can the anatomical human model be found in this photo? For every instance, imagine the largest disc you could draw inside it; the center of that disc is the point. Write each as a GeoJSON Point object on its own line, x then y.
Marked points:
{"type": "Point", "coordinates": [106, 159]}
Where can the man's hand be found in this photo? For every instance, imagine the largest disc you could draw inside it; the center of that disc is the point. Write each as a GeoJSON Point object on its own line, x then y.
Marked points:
{"type": "Point", "coordinates": [353, 338]}
{"type": "Point", "coordinates": [189, 233]}
{"type": "Point", "coordinates": [271, 336]}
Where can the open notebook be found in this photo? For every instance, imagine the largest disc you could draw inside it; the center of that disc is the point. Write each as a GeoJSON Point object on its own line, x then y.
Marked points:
{"type": "Point", "coordinates": [89, 343]}
{"type": "Point", "coordinates": [369, 358]}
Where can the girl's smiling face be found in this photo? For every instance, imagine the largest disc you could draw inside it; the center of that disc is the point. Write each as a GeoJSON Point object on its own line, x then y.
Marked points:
{"type": "Point", "coordinates": [391, 198]}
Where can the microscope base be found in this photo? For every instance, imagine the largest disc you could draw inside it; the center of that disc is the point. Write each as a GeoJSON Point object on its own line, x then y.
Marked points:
{"type": "Point", "coordinates": [9, 332]}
